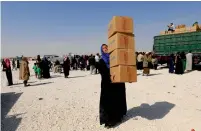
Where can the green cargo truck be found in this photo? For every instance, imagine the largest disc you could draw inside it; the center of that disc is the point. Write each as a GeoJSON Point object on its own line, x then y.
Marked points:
{"type": "Point", "coordinates": [164, 45]}
{"type": "Point", "coordinates": [173, 43]}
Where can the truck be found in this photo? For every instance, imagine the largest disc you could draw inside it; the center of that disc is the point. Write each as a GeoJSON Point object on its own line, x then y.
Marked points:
{"type": "Point", "coordinates": [164, 45]}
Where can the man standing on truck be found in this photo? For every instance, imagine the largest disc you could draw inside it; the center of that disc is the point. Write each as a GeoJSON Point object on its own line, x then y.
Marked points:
{"type": "Point", "coordinates": [171, 27]}
{"type": "Point", "coordinates": [189, 61]}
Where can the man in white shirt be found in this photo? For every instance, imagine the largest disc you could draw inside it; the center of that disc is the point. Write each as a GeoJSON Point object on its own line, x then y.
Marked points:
{"type": "Point", "coordinates": [97, 58]}
{"type": "Point", "coordinates": [171, 27]}
{"type": "Point", "coordinates": [189, 61]}
{"type": "Point", "coordinates": [140, 61]}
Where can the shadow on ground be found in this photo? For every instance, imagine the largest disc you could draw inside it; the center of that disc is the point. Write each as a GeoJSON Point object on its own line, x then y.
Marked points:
{"type": "Point", "coordinates": [76, 76]}
{"type": "Point", "coordinates": [23, 83]}
{"type": "Point", "coordinates": [45, 83]}
{"type": "Point", "coordinates": [154, 74]}
{"type": "Point", "coordinates": [9, 123]}
{"type": "Point", "coordinates": [56, 76]}
{"type": "Point", "coordinates": [162, 67]}
{"type": "Point", "coordinates": [151, 112]}
{"type": "Point", "coordinates": [189, 72]}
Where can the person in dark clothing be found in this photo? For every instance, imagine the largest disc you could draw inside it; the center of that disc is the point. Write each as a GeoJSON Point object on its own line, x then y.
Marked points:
{"type": "Point", "coordinates": [14, 65]}
{"type": "Point", "coordinates": [171, 63]}
{"type": "Point", "coordinates": [82, 63]}
{"type": "Point", "coordinates": [179, 66]}
{"type": "Point", "coordinates": [7, 68]}
{"type": "Point", "coordinates": [183, 59]}
{"type": "Point", "coordinates": [56, 63]}
{"type": "Point", "coordinates": [66, 66]}
{"type": "Point", "coordinates": [45, 68]}
{"type": "Point", "coordinates": [92, 63]}
{"type": "Point", "coordinates": [74, 63]}
{"type": "Point", "coordinates": [112, 106]}
{"type": "Point", "coordinates": [3, 64]}
{"type": "Point", "coordinates": [39, 63]}
{"type": "Point", "coordinates": [18, 63]}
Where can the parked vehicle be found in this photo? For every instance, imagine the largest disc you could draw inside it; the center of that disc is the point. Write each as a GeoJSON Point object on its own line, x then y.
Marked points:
{"type": "Point", "coordinates": [164, 45]}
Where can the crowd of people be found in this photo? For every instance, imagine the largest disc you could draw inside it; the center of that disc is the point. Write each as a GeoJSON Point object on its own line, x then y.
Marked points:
{"type": "Point", "coordinates": [85, 62]}
{"type": "Point", "coordinates": [146, 61]}
{"type": "Point", "coordinates": [113, 105]}
{"type": "Point", "coordinates": [42, 67]}
{"type": "Point", "coordinates": [180, 63]}
{"type": "Point", "coordinates": [177, 63]}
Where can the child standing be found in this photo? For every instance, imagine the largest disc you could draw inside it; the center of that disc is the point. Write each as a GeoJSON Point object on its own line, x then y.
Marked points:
{"type": "Point", "coordinates": [35, 69]}
{"type": "Point", "coordinates": [38, 71]}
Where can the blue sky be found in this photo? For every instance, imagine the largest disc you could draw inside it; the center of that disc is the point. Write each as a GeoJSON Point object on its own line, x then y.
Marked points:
{"type": "Point", "coordinates": [32, 28]}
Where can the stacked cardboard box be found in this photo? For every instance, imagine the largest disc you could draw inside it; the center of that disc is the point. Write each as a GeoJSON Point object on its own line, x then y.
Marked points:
{"type": "Point", "coordinates": [121, 46]}
{"type": "Point", "coordinates": [180, 26]}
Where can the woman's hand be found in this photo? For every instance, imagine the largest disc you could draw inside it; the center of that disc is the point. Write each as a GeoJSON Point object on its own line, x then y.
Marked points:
{"type": "Point", "coordinates": [112, 77]}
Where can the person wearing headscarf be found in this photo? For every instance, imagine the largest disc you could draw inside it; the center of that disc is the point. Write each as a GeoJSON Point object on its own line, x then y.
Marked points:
{"type": "Point", "coordinates": [66, 66]}
{"type": "Point", "coordinates": [24, 72]}
{"type": "Point", "coordinates": [39, 63]}
{"type": "Point", "coordinates": [7, 68]}
{"type": "Point", "coordinates": [183, 59]}
{"type": "Point", "coordinates": [146, 61]}
{"type": "Point", "coordinates": [45, 68]}
{"type": "Point", "coordinates": [171, 63]}
{"type": "Point", "coordinates": [113, 105]}
{"type": "Point", "coordinates": [179, 65]}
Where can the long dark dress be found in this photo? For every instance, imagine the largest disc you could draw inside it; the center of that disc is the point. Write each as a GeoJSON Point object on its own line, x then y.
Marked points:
{"type": "Point", "coordinates": [171, 65]}
{"type": "Point", "coordinates": [8, 74]}
{"type": "Point", "coordinates": [112, 99]}
{"type": "Point", "coordinates": [45, 69]}
{"type": "Point", "coordinates": [66, 67]}
{"type": "Point", "coordinates": [179, 66]}
{"type": "Point", "coordinates": [18, 64]}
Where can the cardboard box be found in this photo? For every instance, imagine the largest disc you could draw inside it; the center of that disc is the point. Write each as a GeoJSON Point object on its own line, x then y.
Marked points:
{"type": "Point", "coordinates": [122, 57]}
{"type": "Point", "coordinates": [121, 41]}
{"type": "Point", "coordinates": [162, 32]}
{"type": "Point", "coordinates": [121, 24]}
{"type": "Point", "coordinates": [177, 31]}
{"type": "Point", "coordinates": [123, 74]}
{"type": "Point", "coordinates": [182, 30]}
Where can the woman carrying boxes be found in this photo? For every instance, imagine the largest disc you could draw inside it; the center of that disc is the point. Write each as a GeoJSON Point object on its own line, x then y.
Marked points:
{"type": "Point", "coordinates": [116, 67]}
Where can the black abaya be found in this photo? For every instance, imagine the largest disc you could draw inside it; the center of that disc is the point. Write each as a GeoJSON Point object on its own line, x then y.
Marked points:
{"type": "Point", "coordinates": [18, 64]}
{"type": "Point", "coordinates": [9, 76]}
{"type": "Point", "coordinates": [112, 99]}
{"type": "Point", "coordinates": [179, 66]}
{"type": "Point", "coordinates": [45, 69]}
{"type": "Point", "coordinates": [66, 67]}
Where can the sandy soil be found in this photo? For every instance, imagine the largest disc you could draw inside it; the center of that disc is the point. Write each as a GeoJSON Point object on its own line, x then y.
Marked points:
{"type": "Point", "coordinates": [160, 102]}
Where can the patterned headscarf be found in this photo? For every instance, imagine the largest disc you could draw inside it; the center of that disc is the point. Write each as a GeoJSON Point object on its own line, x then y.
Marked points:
{"type": "Point", "coordinates": [65, 57]}
{"type": "Point", "coordinates": [105, 57]}
{"type": "Point", "coordinates": [7, 61]}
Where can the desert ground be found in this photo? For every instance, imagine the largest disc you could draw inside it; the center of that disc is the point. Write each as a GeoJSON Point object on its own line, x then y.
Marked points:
{"type": "Point", "coordinates": [159, 102]}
